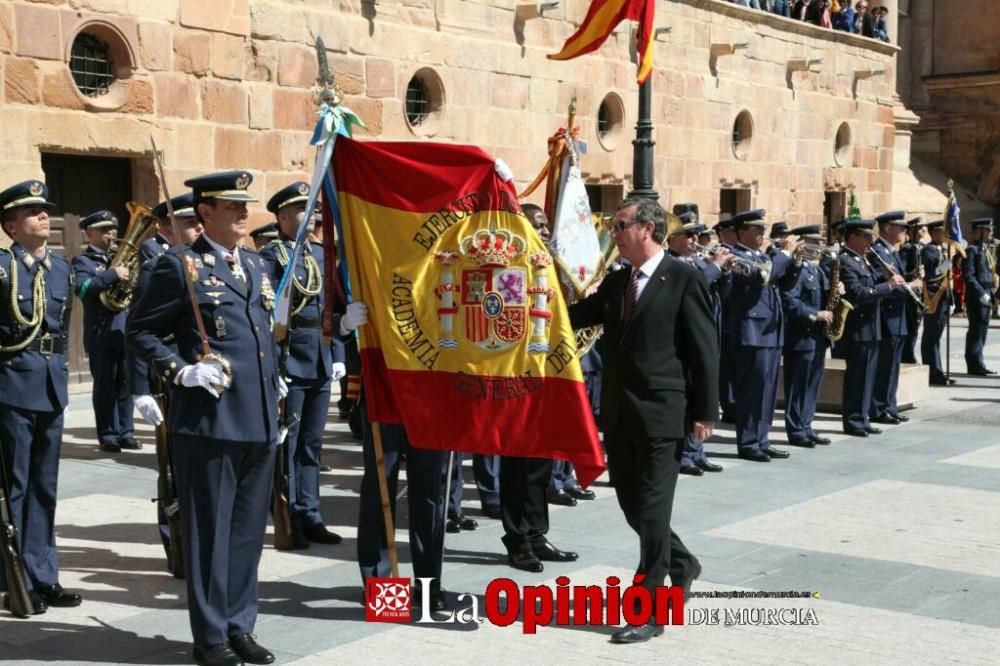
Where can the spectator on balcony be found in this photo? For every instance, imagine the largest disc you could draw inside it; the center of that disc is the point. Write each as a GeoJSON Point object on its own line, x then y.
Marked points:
{"type": "Point", "coordinates": [802, 10]}
{"type": "Point", "coordinates": [843, 19]}
{"type": "Point", "coordinates": [866, 19]}
{"type": "Point", "coordinates": [821, 15]}
{"type": "Point", "coordinates": [781, 7]}
{"type": "Point", "coordinates": [881, 23]}
{"type": "Point", "coordinates": [752, 4]}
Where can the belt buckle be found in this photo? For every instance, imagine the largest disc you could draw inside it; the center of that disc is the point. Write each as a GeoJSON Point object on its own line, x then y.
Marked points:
{"type": "Point", "coordinates": [46, 345]}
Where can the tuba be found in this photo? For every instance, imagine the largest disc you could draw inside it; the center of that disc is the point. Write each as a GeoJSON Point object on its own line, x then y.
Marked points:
{"type": "Point", "coordinates": [117, 297]}
{"type": "Point", "coordinates": [837, 305]}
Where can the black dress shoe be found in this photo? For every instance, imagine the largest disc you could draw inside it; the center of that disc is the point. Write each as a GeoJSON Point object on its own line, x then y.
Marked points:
{"type": "Point", "coordinates": [452, 526]}
{"type": "Point", "coordinates": [325, 468]}
{"type": "Point", "coordinates": [524, 560]}
{"type": "Point", "coordinates": [493, 512]}
{"type": "Point", "coordinates": [252, 653]}
{"type": "Point", "coordinates": [130, 445]}
{"type": "Point", "coordinates": [686, 582]}
{"type": "Point", "coordinates": [38, 605]}
{"type": "Point", "coordinates": [777, 453]}
{"type": "Point", "coordinates": [56, 597]}
{"type": "Point", "coordinates": [709, 466]}
{"type": "Point", "coordinates": [693, 470]}
{"type": "Point", "coordinates": [299, 542]}
{"type": "Point", "coordinates": [319, 534]}
{"type": "Point", "coordinates": [856, 433]}
{"type": "Point", "coordinates": [437, 599]}
{"type": "Point", "coordinates": [819, 440]}
{"type": "Point", "coordinates": [579, 493]}
{"type": "Point", "coordinates": [807, 443]}
{"type": "Point", "coordinates": [110, 447]}
{"type": "Point", "coordinates": [216, 655]}
{"type": "Point", "coordinates": [872, 430]}
{"type": "Point", "coordinates": [468, 524]}
{"type": "Point", "coordinates": [560, 497]}
{"type": "Point", "coordinates": [755, 456]}
{"type": "Point", "coordinates": [942, 382]}
{"type": "Point", "coordinates": [901, 418]}
{"type": "Point", "coordinates": [546, 552]}
{"type": "Point", "coordinates": [887, 419]}
{"type": "Point", "coordinates": [639, 634]}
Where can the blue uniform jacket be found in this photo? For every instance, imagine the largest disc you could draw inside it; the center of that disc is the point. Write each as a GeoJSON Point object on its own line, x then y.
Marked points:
{"type": "Point", "coordinates": [802, 299]}
{"type": "Point", "coordinates": [237, 322]}
{"type": "Point", "coordinates": [33, 380]}
{"type": "Point", "coordinates": [102, 328]}
{"type": "Point", "coordinates": [933, 260]}
{"type": "Point", "coordinates": [308, 358]}
{"type": "Point", "coordinates": [863, 291]}
{"type": "Point", "coordinates": [977, 274]}
{"type": "Point", "coordinates": [893, 311]}
{"type": "Point", "coordinates": [152, 247]}
{"type": "Point", "coordinates": [753, 306]}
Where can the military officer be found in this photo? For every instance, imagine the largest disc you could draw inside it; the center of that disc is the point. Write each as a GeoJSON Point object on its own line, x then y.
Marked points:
{"type": "Point", "coordinates": [895, 327]}
{"type": "Point", "coordinates": [757, 325]}
{"type": "Point", "coordinates": [163, 239]}
{"type": "Point", "coordinates": [727, 239]}
{"type": "Point", "coordinates": [779, 231]}
{"type": "Point", "coordinates": [264, 234]}
{"type": "Point", "coordinates": [804, 354]}
{"type": "Point", "coordinates": [681, 245]}
{"type": "Point", "coordinates": [863, 329]}
{"type": "Point", "coordinates": [308, 363]}
{"type": "Point", "coordinates": [104, 333]}
{"type": "Point", "coordinates": [978, 295]}
{"type": "Point", "coordinates": [910, 254]}
{"type": "Point", "coordinates": [35, 302]}
{"type": "Point", "coordinates": [145, 382]}
{"type": "Point", "coordinates": [222, 414]}
{"type": "Point", "coordinates": [935, 258]}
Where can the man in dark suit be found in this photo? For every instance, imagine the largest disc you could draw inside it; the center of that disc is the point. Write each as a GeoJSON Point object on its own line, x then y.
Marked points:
{"type": "Point", "coordinates": [936, 260]}
{"type": "Point", "coordinates": [35, 303]}
{"type": "Point", "coordinates": [863, 330]}
{"type": "Point", "coordinates": [895, 325]}
{"type": "Point", "coordinates": [660, 369]}
{"type": "Point", "coordinates": [104, 333]}
{"type": "Point", "coordinates": [223, 412]}
{"type": "Point", "coordinates": [978, 295]}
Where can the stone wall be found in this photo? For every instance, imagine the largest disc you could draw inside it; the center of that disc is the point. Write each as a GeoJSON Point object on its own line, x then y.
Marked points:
{"type": "Point", "coordinates": [225, 84]}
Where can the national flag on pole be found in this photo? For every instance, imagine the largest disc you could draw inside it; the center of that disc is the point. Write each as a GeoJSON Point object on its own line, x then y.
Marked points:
{"type": "Point", "coordinates": [602, 18]}
{"type": "Point", "coordinates": [952, 216]}
{"type": "Point", "coordinates": [468, 343]}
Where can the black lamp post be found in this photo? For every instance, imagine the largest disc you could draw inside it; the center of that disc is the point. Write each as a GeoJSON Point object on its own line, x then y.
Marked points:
{"type": "Point", "coordinates": [643, 144]}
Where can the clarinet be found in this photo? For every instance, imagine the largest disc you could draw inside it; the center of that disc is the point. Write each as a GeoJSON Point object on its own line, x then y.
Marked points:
{"type": "Point", "coordinates": [891, 270]}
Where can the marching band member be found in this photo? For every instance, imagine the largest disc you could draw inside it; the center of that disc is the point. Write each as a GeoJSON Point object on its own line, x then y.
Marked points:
{"type": "Point", "coordinates": [978, 295]}
{"type": "Point", "coordinates": [936, 268]}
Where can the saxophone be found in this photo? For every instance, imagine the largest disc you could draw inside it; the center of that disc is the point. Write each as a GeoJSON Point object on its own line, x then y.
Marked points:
{"type": "Point", "coordinates": [118, 296]}
{"type": "Point", "coordinates": [837, 305]}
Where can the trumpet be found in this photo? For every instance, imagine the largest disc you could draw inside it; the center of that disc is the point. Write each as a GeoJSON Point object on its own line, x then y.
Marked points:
{"type": "Point", "coordinates": [891, 270]}
{"type": "Point", "coordinates": [812, 252]}
{"type": "Point", "coordinates": [738, 264]}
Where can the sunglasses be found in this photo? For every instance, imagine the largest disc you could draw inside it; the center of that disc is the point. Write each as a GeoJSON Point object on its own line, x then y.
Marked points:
{"type": "Point", "coordinates": [619, 227]}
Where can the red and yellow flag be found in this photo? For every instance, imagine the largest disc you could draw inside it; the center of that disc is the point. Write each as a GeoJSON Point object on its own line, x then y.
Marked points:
{"type": "Point", "coordinates": [602, 17]}
{"type": "Point", "coordinates": [468, 343]}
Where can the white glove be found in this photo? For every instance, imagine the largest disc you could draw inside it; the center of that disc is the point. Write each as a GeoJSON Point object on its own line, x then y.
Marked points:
{"type": "Point", "coordinates": [338, 371]}
{"type": "Point", "coordinates": [148, 409]}
{"type": "Point", "coordinates": [356, 315]}
{"type": "Point", "coordinates": [506, 175]}
{"type": "Point", "coordinates": [282, 388]}
{"type": "Point", "coordinates": [206, 374]}
{"type": "Point", "coordinates": [985, 299]}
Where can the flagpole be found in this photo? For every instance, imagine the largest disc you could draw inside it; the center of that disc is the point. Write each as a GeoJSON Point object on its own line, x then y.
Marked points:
{"type": "Point", "coordinates": [383, 489]}
{"type": "Point", "coordinates": [642, 153]}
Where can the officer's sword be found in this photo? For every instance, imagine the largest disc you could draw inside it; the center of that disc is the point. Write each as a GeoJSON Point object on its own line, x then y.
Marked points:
{"type": "Point", "coordinates": [206, 350]}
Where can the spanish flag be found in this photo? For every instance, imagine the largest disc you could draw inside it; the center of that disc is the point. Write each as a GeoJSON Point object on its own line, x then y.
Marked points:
{"type": "Point", "coordinates": [468, 343]}
{"type": "Point", "coordinates": [602, 17]}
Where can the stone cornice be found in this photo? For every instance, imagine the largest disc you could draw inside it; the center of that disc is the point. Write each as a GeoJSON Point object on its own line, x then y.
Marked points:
{"type": "Point", "coordinates": [762, 17]}
{"type": "Point", "coordinates": [939, 82]}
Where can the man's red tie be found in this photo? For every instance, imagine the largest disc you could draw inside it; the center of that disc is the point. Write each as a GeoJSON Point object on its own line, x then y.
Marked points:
{"type": "Point", "coordinates": [631, 292]}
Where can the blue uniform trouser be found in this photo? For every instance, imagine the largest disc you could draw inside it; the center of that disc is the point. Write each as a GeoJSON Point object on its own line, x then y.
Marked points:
{"type": "Point", "coordinates": [930, 344]}
{"type": "Point", "coordinates": [224, 490]}
{"type": "Point", "coordinates": [816, 370]}
{"type": "Point", "coordinates": [31, 442]}
{"type": "Point", "coordinates": [563, 476]}
{"type": "Point", "coordinates": [975, 338]}
{"type": "Point", "coordinates": [457, 488]}
{"type": "Point", "coordinates": [859, 384]}
{"type": "Point", "coordinates": [693, 452]}
{"type": "Point", "coordinates": [425, 495]}
{"type": "Point", "coordinates": [890, 352]}
{"type": "Point", "coordinates": [755, 387]}
{"type": "Point", "coordinates": [111, 397]}
{"type": "Point", "coordinates": [800, 403]}
{"type": "Point", "coordinates": [726, 370]}
{"type": "Point", "coordinates": [308, 404]}
{"type": "Point", "coordinates": [487, 472]}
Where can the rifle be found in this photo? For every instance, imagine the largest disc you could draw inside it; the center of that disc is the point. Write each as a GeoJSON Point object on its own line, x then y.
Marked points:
{"type": "Point", "coordinates": [282, 510]}
{"type": "Point", "coordinates": [166, 488]}
{"type": "Point", "coordinates": [18, 597]}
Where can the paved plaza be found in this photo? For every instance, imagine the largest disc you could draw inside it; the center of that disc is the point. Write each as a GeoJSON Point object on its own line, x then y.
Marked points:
{"type": "Point", "coordinates": [898, 534]}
